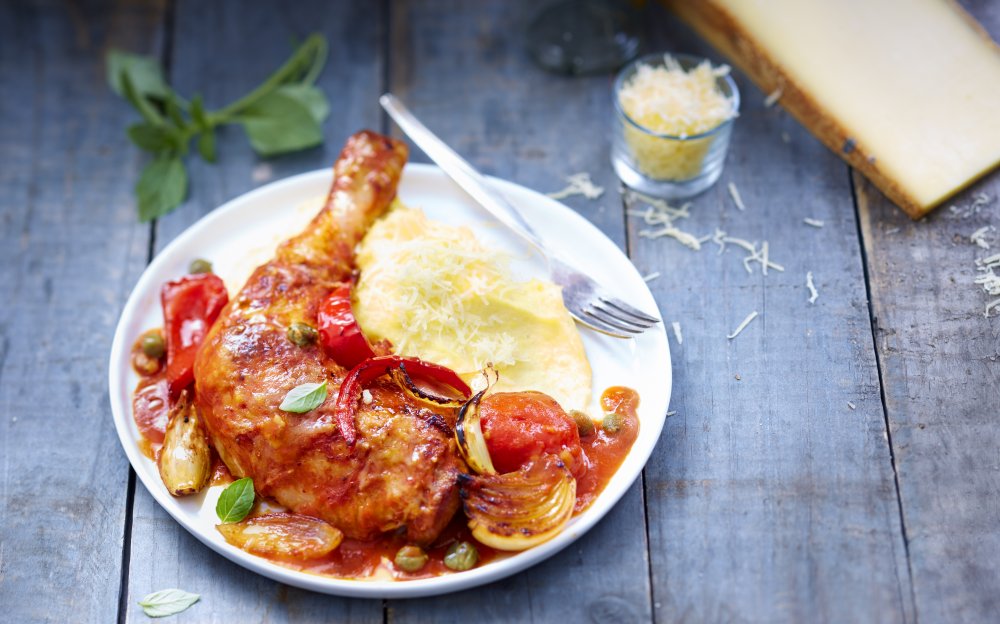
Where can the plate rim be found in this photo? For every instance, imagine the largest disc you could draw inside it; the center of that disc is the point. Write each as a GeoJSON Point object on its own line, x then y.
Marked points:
{"type": "Point", "coordinates": [359, 588]}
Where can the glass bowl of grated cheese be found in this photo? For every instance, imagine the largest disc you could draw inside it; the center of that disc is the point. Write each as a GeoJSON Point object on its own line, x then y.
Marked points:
{"type": "Point", "coordinates": [673, 118]}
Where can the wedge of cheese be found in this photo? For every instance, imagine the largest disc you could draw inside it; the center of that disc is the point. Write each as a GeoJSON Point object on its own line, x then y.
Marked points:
{"type": "Point", "coordinates": [906, 91]}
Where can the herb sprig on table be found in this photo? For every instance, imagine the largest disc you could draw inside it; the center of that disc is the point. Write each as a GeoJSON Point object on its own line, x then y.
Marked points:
{"type": "Point", "coordinates": [284, 114]}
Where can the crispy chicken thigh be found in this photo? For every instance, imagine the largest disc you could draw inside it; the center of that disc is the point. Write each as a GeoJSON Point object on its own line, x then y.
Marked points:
{"type": "Point", "coordinates": [402, 472]}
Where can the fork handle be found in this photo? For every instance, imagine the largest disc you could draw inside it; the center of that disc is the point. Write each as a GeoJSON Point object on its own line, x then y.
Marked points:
{"type": "Point", "coordinates": [459, 170]}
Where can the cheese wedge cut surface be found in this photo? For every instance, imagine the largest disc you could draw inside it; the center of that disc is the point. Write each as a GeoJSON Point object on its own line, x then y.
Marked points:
{"type": "Point", "coordinates": [908, 91]}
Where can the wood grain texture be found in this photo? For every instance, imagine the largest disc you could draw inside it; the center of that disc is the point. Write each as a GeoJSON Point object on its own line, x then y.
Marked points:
{"type": "Point", "coordinates": [223, 50]}
{"type": "Point", "coordinates": [769, 498]}
{"type": "Point", "coordinates": [463, 70]}
{"type": "Point", "coordinates": [940, 367]}
{"type": "Point", "coordinates": [70, 250]}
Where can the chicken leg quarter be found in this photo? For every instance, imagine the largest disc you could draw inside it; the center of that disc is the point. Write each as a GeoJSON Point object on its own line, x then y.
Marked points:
{"type": "Point", "coordinates": [402, 472]}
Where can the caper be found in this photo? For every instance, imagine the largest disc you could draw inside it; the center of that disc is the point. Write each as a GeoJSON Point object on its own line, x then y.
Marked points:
{"type": "Point", "coordinates": [461, 556]}
{"type": "Point", "coordinates": [302, 334]}
{"type": "Point", "coordinates": [153, 345]}
{"type": "Point", "coordinates": [583, 423]}
{"type": "Point", "coordinates": [612, 423]}
{"type": "Point", "coordinates": [410, 558]}
{"type": "Point", "coordinates": [200, 265]}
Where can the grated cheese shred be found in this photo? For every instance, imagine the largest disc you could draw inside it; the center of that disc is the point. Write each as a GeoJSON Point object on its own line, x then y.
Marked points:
{"type": "Point", "coordinates": [735, 194]}
{"type": "Point", "coordinates": [743, 325]}
{"type": "Point", "coordinates": [979, 236]}
{"type": "Point", "coordinates": [677, 332]}
{"type": "Point", "coordinates": [579, 184]}
{"type": "Point", "coordinates": [813, 293]}
{"type": "Point", "coordinates": [816, 223]}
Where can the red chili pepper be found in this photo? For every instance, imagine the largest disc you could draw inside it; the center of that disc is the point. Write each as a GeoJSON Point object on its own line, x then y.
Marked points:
{"type": "Point", "coordinates": [373, 368]}
{"type": "Point", "coordinates": [339, 332]}
{"type": "Point", "coordinates": [190, 306]}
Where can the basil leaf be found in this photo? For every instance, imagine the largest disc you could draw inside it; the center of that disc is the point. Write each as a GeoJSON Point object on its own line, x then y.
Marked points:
{"type": "Point", "coordinates": [278, 123]}
{"type": "Point", "coordinates": [304, 398]}
{"type": "Point", "coordinates": [236, 501]}
{"type": "Point", "coordinates": [167, 602]}
{"type": "Point", "coordinates": [144, 72]}
{"type": "Point", "coordinates": [150, 137]}
{"type": "Point", "coordinates": [162, 187]}
{"type": "Point", "coordinates": [206, 145]}
{"type": "Point", "coordinates": [198, 113]}
{"type": "Point", "coordinates": [309, 96]}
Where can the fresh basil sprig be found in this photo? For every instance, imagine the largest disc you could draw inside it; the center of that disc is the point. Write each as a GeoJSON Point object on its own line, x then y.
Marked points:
{"type": "Point", "coordinates": [283, 114]}
{"type": "Point", "coordinates": [236, 501]}
{"type": "Point", "coordinates": [304, 398]}
{"type": "Point", "coordinates": [167, 602]}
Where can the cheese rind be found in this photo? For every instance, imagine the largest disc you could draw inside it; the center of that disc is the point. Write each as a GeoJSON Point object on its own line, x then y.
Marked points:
{"type": "Point", "coordinates": [906, 91]}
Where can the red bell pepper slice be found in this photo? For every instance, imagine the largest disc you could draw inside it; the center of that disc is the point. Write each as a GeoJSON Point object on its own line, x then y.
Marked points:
{"type": "Point", "coordinates": [373, 368]}
{"type": "Point", "coordinates": [190, 306]}
{"type": "Point", "coordinates": [339, 333]}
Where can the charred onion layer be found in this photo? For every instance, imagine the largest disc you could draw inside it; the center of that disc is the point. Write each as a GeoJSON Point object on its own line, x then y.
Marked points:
{"type": "Point", "coordinates": [518, 510]}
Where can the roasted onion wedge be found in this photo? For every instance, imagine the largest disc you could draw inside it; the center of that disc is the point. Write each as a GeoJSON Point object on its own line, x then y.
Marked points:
{"type": "Point", "coordinates": [185, 461]}
{"type": "Point", "coordinates": [284, 535]}
{"type": "Point", "coordinates": [470, 438]}
{"type": "Point", "coordinates": [518, 510]}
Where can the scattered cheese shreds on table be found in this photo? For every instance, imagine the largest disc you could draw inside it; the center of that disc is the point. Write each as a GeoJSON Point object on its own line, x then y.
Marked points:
{"type": "Point", "coordinates": [579, 184]}
{"type": "Point", "coordinates": [979, 201]}
{"type": "Point", "coordinates": [851, 405]}
{"type": "Point", "coordinates": [743, 325]}
{"type": "Point", "coordinates": [813, 293]}
{"type": "Point", "coordinates": [816, 223]}
{"type": "Point", "coordinates": [677, 332]}
{"type": "Point", "coordinates": [735, 194]}
{"type": "Point", "coordinates": [721, 239]}
{"type": "Point", "coordinates": [652, 276]}
{"type": "Point", "coordinates": [685, 238]}
{"type": "Point", "coordinates": [989, 280]}
{"type": "Point", "coordinates": [979, 236]}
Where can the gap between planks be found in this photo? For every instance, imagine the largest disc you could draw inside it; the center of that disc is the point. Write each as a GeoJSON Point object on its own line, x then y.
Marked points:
{"type": "Point", "coordinates": [873, 322]}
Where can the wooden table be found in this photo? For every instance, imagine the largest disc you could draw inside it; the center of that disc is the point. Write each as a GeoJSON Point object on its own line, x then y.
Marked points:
{"type": "Point", "coordinates": [836, 462]}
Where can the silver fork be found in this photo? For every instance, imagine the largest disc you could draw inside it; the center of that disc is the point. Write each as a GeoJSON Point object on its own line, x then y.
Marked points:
{"type": "Point", "coordinates": [589, 304]}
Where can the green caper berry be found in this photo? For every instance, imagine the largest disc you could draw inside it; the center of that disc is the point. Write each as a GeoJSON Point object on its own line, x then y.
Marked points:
{"type": "Point", "coordinates": [200, 265]}
{"type": "Point", "coordinates": [410, 558]}
{"type": "Point", "coordinates": [583, 423]}
{"type": "Point", "coordinates": [153, 345]}
{"type": "Point", "coordinates": [612, 423]}
{"type": "Point", "coordinates": [461, 556]}
{"type": "Point", "coordinates": [301, 334]}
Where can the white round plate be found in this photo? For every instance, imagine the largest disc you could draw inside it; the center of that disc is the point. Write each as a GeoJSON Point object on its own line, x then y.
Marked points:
{"type": "Point", "coordinates": [243, 233]}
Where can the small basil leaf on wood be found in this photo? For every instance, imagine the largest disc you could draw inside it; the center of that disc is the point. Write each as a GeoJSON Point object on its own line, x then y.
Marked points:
{"type": "Point", "coordinates": [304, 398]}
{"type": "Point", "coordinates": [144, 72]}
{"type": "Point", "coordinates": [309, 96]}
{"type": "Point", "coordinates": [236, 501]}
{"type": "Point", "coordinates": [278, 123]}
{"type": "Point", "coordinates": [162, 187]}
{"type": "Point", "coordinates": [167, 602]}
{"type": "Point", "coordinates": [206, 145]}
{"type": "Point", "coordinates": [151, 138]}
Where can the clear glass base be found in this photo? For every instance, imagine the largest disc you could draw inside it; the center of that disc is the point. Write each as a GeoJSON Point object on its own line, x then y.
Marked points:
{"type": "Point", "coordinates": [583, 37]}
{"type": "Point", "coordinates": [663, 189]}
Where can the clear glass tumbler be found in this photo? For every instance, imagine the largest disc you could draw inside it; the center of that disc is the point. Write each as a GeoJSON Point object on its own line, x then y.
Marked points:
{"type": "Point", "coordinates": [663, 165]}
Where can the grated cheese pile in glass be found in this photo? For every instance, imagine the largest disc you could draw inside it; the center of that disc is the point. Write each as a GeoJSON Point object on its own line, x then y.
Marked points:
{"type": "Point", "coordinates": [670, 101]}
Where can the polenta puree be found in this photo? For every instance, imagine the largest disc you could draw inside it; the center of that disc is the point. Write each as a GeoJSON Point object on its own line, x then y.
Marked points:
{"type": "Point", "coordinates": [437, 293]}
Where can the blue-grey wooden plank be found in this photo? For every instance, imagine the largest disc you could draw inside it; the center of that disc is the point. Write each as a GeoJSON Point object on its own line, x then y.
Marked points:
{"type": "Point", "coordinates": [940, 368]}
{"type": "Point", "coordinates": [70, 250]}
{"type": "Point", "coordinates": [463, 69]}
{"type": "Point", "coordinates": [771, 496]}
{"type": "Point", "coordinates": [223, 50]}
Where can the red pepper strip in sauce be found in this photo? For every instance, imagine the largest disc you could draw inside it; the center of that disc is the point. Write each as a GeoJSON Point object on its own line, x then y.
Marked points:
{"type": "Point", "coordinates": [373, 368]}
{"type": "Point", "coordinates": [339, 332]}
{"type": "Point", "coordinates": [190, 306]}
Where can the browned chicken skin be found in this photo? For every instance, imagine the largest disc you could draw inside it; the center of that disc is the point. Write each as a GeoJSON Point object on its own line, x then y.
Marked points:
{"type": "Point", "coordinates": [402, 472]}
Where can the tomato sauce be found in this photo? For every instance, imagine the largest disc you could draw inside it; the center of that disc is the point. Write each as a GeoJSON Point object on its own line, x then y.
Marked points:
{"type": "Point", "coordinates": [603, 453]}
